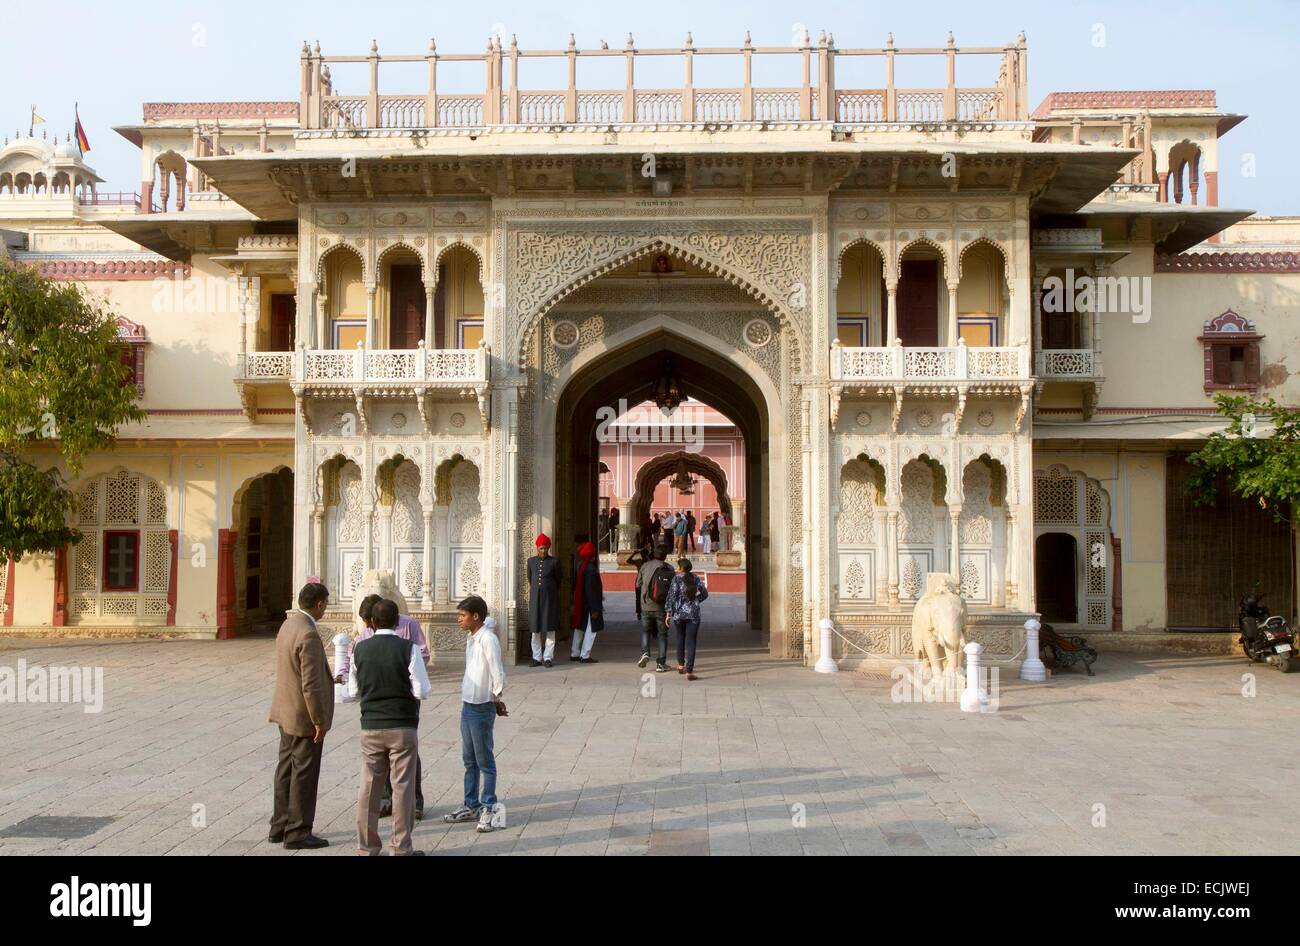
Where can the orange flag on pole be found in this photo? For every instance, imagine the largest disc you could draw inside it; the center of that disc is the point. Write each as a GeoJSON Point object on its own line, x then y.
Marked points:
{"type": "Point", "coordinates": [83, 143]}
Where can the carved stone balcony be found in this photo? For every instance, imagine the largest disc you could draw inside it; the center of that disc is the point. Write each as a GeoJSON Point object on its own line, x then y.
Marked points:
{"type": "Point", "coordinates": [896, 370]}
{"type": "Point", "coordinates": [1079, 365]}
{"type": "Point", "coordinates": [1069, 364]}
{"type": "Point", "coordinates": [361, 373]}
{"type": "Point", "coordinates": [895, 364]}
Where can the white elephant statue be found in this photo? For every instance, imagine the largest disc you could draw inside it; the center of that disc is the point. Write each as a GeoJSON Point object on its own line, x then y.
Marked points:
{"type": "Point", "coordinates": [379, 581]}
{"type": "Point", "coordinates": [939, 624]}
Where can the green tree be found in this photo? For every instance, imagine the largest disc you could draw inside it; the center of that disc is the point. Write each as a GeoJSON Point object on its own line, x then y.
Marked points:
{"type": "Point", "coordinates": [1265, 468]}
{"type": "Point", "coordinates": [62, 385]}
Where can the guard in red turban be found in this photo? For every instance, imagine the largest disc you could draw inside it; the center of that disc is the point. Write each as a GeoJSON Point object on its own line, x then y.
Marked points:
{"type": "Point", "coordinates": [588, 604]}
{"type": "Point", "coordinates": [543, 601]}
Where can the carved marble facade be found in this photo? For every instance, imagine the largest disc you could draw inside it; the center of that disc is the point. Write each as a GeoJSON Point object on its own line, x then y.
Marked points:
{"type": "Point", "coordinates": [868, 491]}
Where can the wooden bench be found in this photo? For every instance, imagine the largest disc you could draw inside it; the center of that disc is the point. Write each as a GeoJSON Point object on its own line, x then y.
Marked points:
{"type": "Point", "coordinates": [1059, 651]}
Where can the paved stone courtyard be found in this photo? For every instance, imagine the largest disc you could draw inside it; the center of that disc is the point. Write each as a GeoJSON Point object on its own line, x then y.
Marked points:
{"type": "Point", "coordinates": [756, 757]}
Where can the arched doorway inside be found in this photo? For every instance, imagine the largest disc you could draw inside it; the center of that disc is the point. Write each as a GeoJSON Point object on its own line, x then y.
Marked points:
{"type": "Point", "coordinates": [653, 475]}
{"type": "Point", "coordinates": [629, 373]}
{"type": "Point", "coordinates": [1055, 566]}
{"type": "Point", "coordinates": [263, 551]}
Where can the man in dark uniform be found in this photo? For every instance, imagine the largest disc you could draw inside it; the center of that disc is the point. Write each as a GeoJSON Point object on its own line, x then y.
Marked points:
{"type": "Point", "coordinates": [543, 601]}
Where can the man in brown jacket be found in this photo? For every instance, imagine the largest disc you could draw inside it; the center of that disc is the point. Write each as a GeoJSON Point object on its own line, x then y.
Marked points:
{"type": "Point", "coordinates": [303, 706]}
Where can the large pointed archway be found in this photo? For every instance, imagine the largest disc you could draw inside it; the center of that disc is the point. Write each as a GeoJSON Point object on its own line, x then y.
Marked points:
{"type": "Point", "coordinates": [597, 335]}
{"type": "Point", "coordinates": [627, 370]}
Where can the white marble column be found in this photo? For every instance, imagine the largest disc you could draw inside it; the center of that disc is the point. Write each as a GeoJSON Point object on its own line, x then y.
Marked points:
{"type": "Point", "coordinates": [316, 543]}
{"type": "Point", "coordinates": [429, 336]}
{"type": "Point", "coordinates": [882, 555]}
{"type": "Point", "coordinates": [952, 313]}
{"type": "Point", "coordinates": [426, 586]}
{"type": "Point", "coordinates": [320, 324]}
{"type": "Point", "coordinates": [891, 319]}
{"type": "Point", "coordinates": [372, 330]}
{"type": "Point", "coordinates": [954, 541]}
{"type": "Point", "coordinates": [892, 540]}
{"type": "Point", "coordinates": [1001, 558]}
{"type": "Point", "coordinates": [1010, 557]}
{"type": "Point", "coordinates": [386, 537]}
{"type": "Point", "coordinates": [369, 524]}
{"type": "Point", "coordinates": [444, 555]}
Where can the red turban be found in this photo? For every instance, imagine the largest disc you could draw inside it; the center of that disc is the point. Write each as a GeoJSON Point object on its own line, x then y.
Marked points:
{"type": "Point", "coordinates": [587, 552]}
{"type": "Point", "coordinates": [543, 540]}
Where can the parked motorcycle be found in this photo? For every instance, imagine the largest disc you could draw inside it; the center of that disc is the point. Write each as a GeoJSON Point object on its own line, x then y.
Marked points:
{"type": "Point", "coordinates": [1264, 637]}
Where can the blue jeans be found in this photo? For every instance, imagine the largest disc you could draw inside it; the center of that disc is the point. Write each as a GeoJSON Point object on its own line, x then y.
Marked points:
{"type": "Point", "coordinates": [652, 625]}
{"type": "Point", "coordinates": [687, 632]}
{"type": "Point", "coordinates": [476, 722]}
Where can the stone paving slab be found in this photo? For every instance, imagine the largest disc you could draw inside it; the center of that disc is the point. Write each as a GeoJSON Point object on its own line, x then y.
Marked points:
{"type": "Point", "coordinates": [757, 757]}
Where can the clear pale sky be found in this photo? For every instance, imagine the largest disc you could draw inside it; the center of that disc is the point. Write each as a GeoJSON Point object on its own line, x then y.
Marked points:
{"type": "Point", "coordinates": [111, 57]}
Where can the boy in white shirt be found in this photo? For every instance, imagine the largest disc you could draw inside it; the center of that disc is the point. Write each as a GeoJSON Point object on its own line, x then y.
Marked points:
{"type": "Point", "coordinates": [481, 704]}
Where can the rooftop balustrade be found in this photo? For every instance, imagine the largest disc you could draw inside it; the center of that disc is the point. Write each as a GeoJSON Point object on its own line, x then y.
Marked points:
{"type": "Point", "coordinates": [811, 95]}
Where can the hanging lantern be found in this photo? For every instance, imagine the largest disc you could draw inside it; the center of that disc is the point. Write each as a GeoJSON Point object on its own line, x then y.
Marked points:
{"type": "Point", "coordinates": [668, 388]}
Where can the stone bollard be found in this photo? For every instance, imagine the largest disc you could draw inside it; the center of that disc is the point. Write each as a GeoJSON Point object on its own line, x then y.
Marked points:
{"type": "Point", "coordinates": [825, 663]}
{"type": "Point", "coordinates": [973, 699]}
{"type": "Point", "coordinates": [1032, 669]}
{"type": "Point", "coordinates": [341, 642]}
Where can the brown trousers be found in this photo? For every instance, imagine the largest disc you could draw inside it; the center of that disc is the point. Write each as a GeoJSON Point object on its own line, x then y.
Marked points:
{"type": "Point", "coordinates": [387, 754]}
{"type": "Point", "coordinates": [297, 773]}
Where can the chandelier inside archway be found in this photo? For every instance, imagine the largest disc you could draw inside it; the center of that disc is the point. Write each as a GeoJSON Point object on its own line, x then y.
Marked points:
{"type": "Point", "coordinates": [682, 481]}
{"type": "Point", "coordinates": [668, 394]}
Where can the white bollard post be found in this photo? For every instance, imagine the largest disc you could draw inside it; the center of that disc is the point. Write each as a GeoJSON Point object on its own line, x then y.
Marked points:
{"type": "Point", "coordinates": [973, 699]}
{"type": "Point", "coordinates": [825, 663]}
{"type": "Point", "coordinates": [1033, 669]}
{"type": "Point", "coordinates": [341, 642]}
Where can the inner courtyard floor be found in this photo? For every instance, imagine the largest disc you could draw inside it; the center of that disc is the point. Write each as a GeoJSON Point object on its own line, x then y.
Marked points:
{"type": "Point", "coordinates": [758, 756]}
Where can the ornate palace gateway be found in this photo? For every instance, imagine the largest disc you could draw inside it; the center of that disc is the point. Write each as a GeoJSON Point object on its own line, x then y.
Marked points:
{"type": "Point", "coordinates": [375, 328]}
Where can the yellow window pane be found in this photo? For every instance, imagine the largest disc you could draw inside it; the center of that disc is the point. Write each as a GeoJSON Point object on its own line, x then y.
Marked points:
{"type": "Point", "coordinates": [470, 335]}
{"type": "Point", "coordinates": [349, 335]}
{"type": "Point", "coordinates": [851, 334]}
{"type": "Point", "coordinates": [977, 335]}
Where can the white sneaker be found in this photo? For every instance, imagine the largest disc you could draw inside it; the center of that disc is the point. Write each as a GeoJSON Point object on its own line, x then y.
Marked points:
{"type": "Point", "coordinates": [645, 659]}
{"type": "Point", "coordinates": [485, 820]}
{"type": "Point", "coordinates": [463, 813]}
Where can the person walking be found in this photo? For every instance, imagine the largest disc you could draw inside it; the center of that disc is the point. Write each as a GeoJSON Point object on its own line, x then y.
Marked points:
{"type": "Point", "coordinates": [682, 609]}
{"type": "Point", "coordinates": [715, 530]}
{"type": "Point", "coordinates": [408, 629]}
{"type": "Point", "coordinates": [643, 554]}
{"type": "Point", "coordinates": [303, 708]}
{"type": "Point", "coordinates": [679, 531]}
{"type": "Point", "coordinates": [690, 528]}
{"type": "Point", "coordinates": [653, 578]}
{"type": "Point", "coordinates": [705, 544]}
{"type": "Point", "coordinates": [387, 674]}
{"type": "Point", "coordinates": [481, 704]}
{"type": "Point", "coordinates": [588, 604]}
{"type": "Point", "coordinates": [544, 574]}
{"type": "Point", "coordinates": [613, 529]}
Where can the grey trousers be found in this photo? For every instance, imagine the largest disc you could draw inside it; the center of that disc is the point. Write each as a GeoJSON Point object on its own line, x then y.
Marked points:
{"type": "Point", "coordinates": [387, 754]}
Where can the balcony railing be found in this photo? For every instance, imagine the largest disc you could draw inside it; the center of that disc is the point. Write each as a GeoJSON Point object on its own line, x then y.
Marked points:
{"type": "Point", "coordinates": [809, 95]}
{"type": "Point", "coordinates": [958, 363]}
{"type": "Point", "coordinates": [448, 366]}
{"type": "Point", "coordinates": [1066, 363]}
